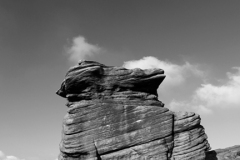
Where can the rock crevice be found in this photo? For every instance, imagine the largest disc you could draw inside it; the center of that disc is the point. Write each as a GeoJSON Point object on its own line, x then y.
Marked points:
{"type": "Point", "coordinates": [114, 113]}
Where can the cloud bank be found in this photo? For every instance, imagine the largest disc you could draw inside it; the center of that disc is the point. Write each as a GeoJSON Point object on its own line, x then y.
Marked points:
{"type": "Point", "coordinates": [81, 49]}
{"type": "Point", "coordinates": [209, 96]}
{"type": "Point", "coordinates": [224, 95]}
{"type": "Point", "coordinates": [175, 74]}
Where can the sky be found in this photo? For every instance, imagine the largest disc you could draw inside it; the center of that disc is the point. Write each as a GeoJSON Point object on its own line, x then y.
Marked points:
{"type": "Point", "coordinates": [196, 43]}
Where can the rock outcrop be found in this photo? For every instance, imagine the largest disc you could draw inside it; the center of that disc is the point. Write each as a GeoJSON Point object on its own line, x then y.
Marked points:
{"type": "Point", "coordinates": [230, 153]}
{"type": "Point", "coordinates": [114, 114]}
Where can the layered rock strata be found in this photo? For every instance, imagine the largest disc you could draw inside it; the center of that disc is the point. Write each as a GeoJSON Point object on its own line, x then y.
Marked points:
{"type": "Point", "coordinates": [114, 114]}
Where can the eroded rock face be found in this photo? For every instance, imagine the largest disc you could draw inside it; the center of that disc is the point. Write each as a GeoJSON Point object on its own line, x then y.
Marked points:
{"type": "Point", "coordinates": [190, 140]}
{"type": "Point", "coordinates": [114, 113]}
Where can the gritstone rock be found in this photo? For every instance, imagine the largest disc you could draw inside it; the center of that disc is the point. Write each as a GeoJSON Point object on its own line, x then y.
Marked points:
{"type": "Point", "coordinates": [114, 114]}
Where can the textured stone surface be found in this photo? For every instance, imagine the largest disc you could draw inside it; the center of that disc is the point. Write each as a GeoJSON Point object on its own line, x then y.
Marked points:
{"type": "Point", "coordinates": [114, 113]}
{"type": "Point", "coordinates": [190, 140]}
{"type": "Point", "coordinates": [231, 153]}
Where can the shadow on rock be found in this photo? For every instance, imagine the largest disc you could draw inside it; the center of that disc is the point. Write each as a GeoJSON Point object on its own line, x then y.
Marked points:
{"type": "Point", "coordinates": [211, 155]}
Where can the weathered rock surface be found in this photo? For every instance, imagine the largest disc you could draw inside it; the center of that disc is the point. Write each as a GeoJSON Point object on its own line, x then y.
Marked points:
{"type": "Point", "coordinates": [190, 140]}
{"type": "Point", "coordinates": [114, 113]}
{"type": "Point", "coordinates": [230, 153]}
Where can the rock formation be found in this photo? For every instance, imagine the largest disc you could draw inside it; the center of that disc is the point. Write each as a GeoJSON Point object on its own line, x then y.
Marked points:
{"type": "Point", "coordinates": [114, 114]}
{"type": "Point", "coordinates": [230, 153]}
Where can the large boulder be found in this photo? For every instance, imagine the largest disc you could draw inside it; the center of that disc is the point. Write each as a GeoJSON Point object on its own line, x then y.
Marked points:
{"type": "Point", "coordinates": [114, 113]}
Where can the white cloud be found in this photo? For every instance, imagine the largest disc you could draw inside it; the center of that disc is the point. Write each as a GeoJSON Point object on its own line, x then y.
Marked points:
{"type": "Point", "coordinates": [209, 96]}
{"type": "Point", "coordinates": [11, 158]}
{"type": "Point", "coordinates": [81, 49]}
{"type": "Point", "coordinates": [224, 95]}
{"type": "Point", "coordinates": [4, 157]}
{"type": "Point", "coordinates": [175, 74]}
